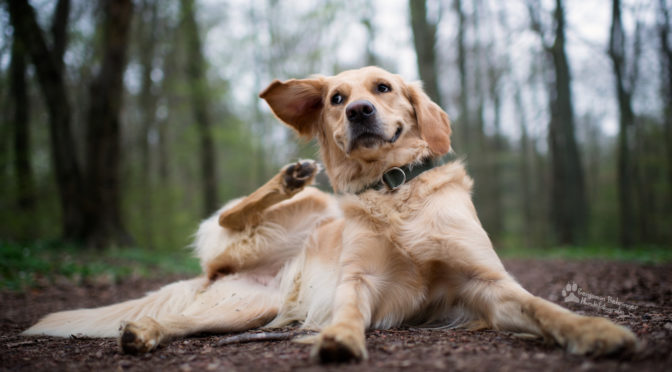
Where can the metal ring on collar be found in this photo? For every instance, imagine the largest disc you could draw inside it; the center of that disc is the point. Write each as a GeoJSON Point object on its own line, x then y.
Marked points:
{"type": "Point", "coordinates": [394, 187]}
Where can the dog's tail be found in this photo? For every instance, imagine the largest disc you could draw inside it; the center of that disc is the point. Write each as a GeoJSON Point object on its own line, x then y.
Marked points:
{"type": "Point", "coordinates": [105, 321]}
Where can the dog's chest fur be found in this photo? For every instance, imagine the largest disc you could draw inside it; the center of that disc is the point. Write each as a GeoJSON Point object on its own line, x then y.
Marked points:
{"type": "Point", "coordinates": [411, 216]}
{"type": "Point", "coordinates": [411, 228]}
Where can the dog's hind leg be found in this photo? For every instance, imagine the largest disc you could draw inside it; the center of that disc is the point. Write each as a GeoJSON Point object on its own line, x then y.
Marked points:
{"type": "Point", "coordinates": [105, 321]}
{"type": "Point", "coordinates": [276, 218]}
{"type": "Point", "coordinates": [232, 304]}
{"type": "Point", "coordinates": [505, 305]}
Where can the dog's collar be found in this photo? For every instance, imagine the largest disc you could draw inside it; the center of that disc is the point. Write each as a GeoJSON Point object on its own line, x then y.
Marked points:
{"type": "Point", "coordinates": [395, 177]}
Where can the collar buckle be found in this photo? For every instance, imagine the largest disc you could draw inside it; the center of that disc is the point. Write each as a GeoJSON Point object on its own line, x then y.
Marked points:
{"type": "Point", "coordinates": [394, 178]}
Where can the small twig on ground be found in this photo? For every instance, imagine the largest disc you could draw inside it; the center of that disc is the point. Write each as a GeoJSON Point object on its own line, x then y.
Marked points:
{"type": "Point", "coordinates": [21, 343]}
{"type": "Point", "coordinates": [260, 337]}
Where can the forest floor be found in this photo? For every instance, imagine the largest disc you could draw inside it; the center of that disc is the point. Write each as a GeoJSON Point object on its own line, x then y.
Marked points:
{"type": "Point", "coordinates": [644, 304]}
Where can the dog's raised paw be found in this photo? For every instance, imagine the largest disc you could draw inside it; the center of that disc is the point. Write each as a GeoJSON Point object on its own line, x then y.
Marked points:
{"type": "Point", "coordinates": [299, 174]}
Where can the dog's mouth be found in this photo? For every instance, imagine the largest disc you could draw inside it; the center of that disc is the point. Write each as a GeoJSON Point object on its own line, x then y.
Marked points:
{"type": "Point", "coordinates": [369, 139]}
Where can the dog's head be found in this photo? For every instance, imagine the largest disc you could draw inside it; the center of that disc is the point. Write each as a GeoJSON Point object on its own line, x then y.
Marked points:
{"type": "Point", "coordinates": [367, 121]}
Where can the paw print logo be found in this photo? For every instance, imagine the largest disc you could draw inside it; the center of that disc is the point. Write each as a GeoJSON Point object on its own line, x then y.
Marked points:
{"type": "Point", "coordinates": [569, 293]}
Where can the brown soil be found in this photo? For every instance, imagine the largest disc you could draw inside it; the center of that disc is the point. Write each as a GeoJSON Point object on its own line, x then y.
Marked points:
{"type": "Point", "coordinates": [647, 287]}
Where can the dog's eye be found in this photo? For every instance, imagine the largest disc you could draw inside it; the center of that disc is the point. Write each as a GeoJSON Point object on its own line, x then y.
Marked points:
{"type": "Point", "coordinates": [337, 99]}
{"type": "Point", "coordinates": [383, 88]}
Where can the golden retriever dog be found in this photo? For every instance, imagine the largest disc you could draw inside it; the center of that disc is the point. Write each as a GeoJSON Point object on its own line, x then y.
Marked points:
{"type": "Point", "coordinates": [399, 244]}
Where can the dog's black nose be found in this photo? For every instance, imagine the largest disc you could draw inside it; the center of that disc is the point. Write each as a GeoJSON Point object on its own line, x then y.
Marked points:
{"type": "Point", "coordinates": [360, 110]}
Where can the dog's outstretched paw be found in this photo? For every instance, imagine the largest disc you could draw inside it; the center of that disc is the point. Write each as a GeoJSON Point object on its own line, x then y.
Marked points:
{"type": "Point", "coordinates": [298, 175]}
{"type": "Point", "coordinates": [598, 336]}
{"type": "Point", "coordinates": [337, 344]}
{"type": "Point", "coordinates": [139, 337]}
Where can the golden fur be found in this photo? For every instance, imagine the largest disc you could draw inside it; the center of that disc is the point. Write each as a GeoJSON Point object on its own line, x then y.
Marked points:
{"type": "Point", "coordinates": [341, 265]}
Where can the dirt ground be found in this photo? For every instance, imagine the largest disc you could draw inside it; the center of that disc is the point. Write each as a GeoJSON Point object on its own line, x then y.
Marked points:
{"type": "Point", "coordinates": [641, 299]}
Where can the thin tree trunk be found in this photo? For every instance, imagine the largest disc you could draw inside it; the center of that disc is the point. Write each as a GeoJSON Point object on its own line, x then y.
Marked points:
{"type": "Point", "coordinates": [495, 164]}
{"type": "Point", "coordinates": [424, 39]}
{"type": "Point", "coordinates": [541, 227]}
{"type": "Point", "coordinates": [21, 124]}
{"type": "Point", "coordinates": [568, 209]}
{"type": "Point", "coordinates": [166, 204]}
{"type": "Point", "coordinates": [147, 101]}
{"type": "Point", "coordinates": [103, 135]}
{"type": "Point", "coordinates": [666, 84]}
{"type": "Point", "coordinates": [49, 74]}
{"type": "Point", "coordinates": [464, 120]}
{"type": "Point", "coordinates": [480, 155]}
{"type": "Point", "coordinates": [169, 100]}
{"type": "Point", "coordinates": [626, 120]}
{"type": "Point", "coordinates": [196, 69]}
{"type": "Point", "coordinates": [644, 208]}
{"type": "Point", "coordinates": [526, 196]}
{"type": "Point", "coordinates": [495, 66]}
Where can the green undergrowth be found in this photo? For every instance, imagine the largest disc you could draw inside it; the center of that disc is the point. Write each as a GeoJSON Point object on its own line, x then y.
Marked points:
{"type": "Point", "coordinates": [640, 254]}
{"type": "Point", "coordinates": [40, 263]}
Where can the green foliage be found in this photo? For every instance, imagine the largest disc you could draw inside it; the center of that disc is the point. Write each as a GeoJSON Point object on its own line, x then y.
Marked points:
{"type": "Point", "coordinates": [642, 254]}
{"type": "Point", "coordinates": [41, 263]}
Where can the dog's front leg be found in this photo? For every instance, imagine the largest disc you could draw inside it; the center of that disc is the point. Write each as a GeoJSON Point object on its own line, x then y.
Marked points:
{"type": "Point", "coordinates": [344, 339]}
{"type": "Point", "coordinates": [362, 263]}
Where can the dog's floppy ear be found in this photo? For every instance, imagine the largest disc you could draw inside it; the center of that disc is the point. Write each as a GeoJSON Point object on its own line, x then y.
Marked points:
{"type": "Point", "coordinates": [433, 122]}
{"type": "Point", "coordinates": [298, 103]}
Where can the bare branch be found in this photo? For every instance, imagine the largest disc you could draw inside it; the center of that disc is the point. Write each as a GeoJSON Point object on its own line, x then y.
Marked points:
{"type": "Point", "coordinates": [535, 22]}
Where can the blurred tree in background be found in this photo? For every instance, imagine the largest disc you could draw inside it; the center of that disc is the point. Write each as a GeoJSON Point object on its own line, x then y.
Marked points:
{"type": "Point", "coordinates": [126, 122]}
{"type": "Point", "coordinates": [568, 201]}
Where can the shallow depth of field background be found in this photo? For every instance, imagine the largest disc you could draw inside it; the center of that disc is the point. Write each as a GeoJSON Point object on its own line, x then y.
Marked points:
{"type": "Point", "coordinates": [561, 110]}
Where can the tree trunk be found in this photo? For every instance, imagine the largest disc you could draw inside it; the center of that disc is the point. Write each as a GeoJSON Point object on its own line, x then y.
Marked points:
{"type": "Point", "coordinates": [463, 120]}
{"type": "Point", "coordinates": [493, 151]}
{"type": "Point", "coordinates": [424, 39]}
{"type": "Point", "coordinates": [199, 93]}
{"type": "Point", "coordinates": [666, 84]}
{"type": "Point", "coordinates": [21, 123]}
{"type": "Point", "coordinates": [146, 23]}
{"type": "Point", "coordinates": [526, 195]}
{"type": "Point", "coordinates": [539, 180]}
{"type": "Point", "coordinates": [568, 208]}
{"type": "Point", "coordinates": [480, 155]}
{"type": "Point", "coordinates": [147, 101]}
{"type": "Point", "coordinates": [104, 223]}
{"type": "Point", "coordinates": [169, 100]}
{"type": "Point", "coordinates": [49, 75]}
{"type": "Point", "coordinates": [496, 157]}
{"type": "Point", "coordinates": [626, 120]}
